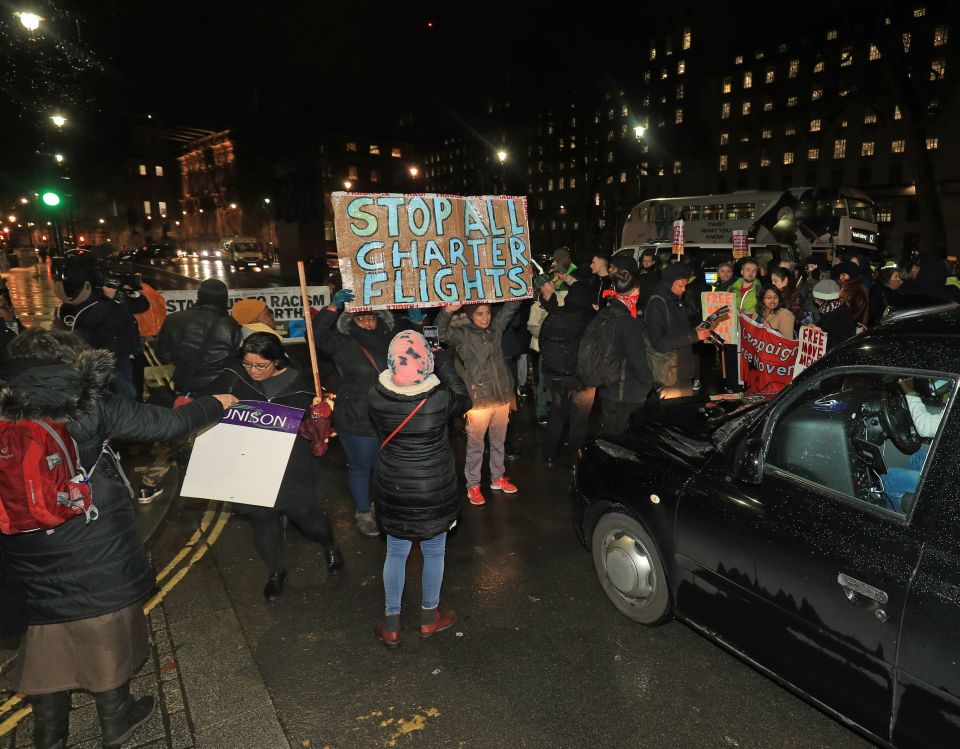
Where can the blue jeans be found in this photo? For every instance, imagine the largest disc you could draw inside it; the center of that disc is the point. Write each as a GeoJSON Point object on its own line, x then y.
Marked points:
{"type": "Point", "coordinates": [395, 571]}
{"type": "Point", "coordinates": [899, 481]}
{"type": "Point", "coordinates": [362, 453]}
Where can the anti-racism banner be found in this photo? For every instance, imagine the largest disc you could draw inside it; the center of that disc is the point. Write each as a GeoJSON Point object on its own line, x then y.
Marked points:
{"type": "Point", "coordinates": [710, 302]}
{"type": "Point", "coordinates": [812, 345]}
{"type": "Point", "coordinates": [283, 301]}
{"type": "Point", "coordinates": [766, 357]}
{"type": "Point", "coordinates": [399, 251]}
{"type": "Point", "coordinates": [243, 458]}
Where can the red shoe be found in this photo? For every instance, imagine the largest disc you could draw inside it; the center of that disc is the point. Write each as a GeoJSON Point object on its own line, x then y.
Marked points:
{"type": "Point", "coordinates": [442, 621]}
{"type": "Point", "coordinates": [503, 484]}
{"type": "Point", "coordinates": [389, 639]}
{"type": "Point", "coordinates": [476, 496]}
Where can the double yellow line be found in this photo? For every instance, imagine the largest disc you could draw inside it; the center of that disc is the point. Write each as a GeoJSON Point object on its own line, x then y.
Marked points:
{"type": "Point", "coordinates": [215, 520]}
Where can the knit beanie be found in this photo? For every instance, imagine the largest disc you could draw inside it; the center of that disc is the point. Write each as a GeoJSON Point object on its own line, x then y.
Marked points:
{"type": "Point", "coordinates": [212, 291]}
{"type": "Point", "coordinates": [826, 290]}
{"type": "Point", "coordinates": [625, 261]}
{"type": "Point", "coordinates": [675, 272]}
{"type": "Point", "coordinates": [409, 358]}
{"type": "Point", "coordinates": [247, 310]}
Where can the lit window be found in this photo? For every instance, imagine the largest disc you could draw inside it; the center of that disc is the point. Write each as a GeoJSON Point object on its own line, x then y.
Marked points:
{"type": "Point", "coordinates": [746, 108]}
{"type": "Point", "coordinates": [884, 215]}
{"type": "Point", "coordinates": [870, 118]}
{"type": "Point", "coordinates": [790, 130]}
{"type": "Point", "coordinates": [676, 167]}
{"type": "Point", "coordinates": [940, 35]}
{"type": "Point", "coordinates": [815, 126]}
{"type": "Point", "coordinates": [158, 170]}
{"type": "Point", "coordinates": [843, 123]}
{"type": "Point", "coordinates": [898, 146]}
{"type": "Point", "coordinates": [681, 67]}
{"type": "Point", "coordinates": [727, 85]}
{"type": "Point", "coordinates": [679, 92]}
{"type": "Point", "coordinates": [623, 177]}
{"type": "Point", "coordinates": [143, 172]}
{"type": "Point", "coordinates": [162, 208]}
{"type": "Point", "coordinates": [794, 69]}
{"type": "Point", "coordinates": [646, 79]}
{"type": "Point", "coordinates": [846, 57]}
{"type": "Point", "coordinates": [744, 138]}
{"type": "Point", "coordinates": [396, 153]}
{"type": "Point", "coordinates": [723, 162]}
{"type": "Point", "coordinates": [678, 116]}
{"type": "Point", "coordinates": [831, 35]}
{"type": "Point", "coordinates": [813, 154]}
{"type": "Point", "coordinates": [550, 185]}
{"type": "Point", "coordinates": [352, 172]}
{"type": "Point", "coordinates": [747, 79]}
{"type": "Point", "coordinates": [792, 101]}
{"type": "Point", "coordinates": [724, 138]}
{"type": "Point", "coordinates": [919, 12]}
{"type": "Point", "coordinates": [646, 100]}
{"type": "Point", "coordinates": [146, 208]}
{"type": "Point", "coordinates": [624, 111]}
{"type": "Point", "coordinates": [725, 111]}
{"type": "Point", "coordinates": [759, 55]}
{"type": "Point", "coordinates": [768, 78]}
{"type": "Point", "coordinates": [874, 52]}
{"type": "Point", "coordinates": [867, 148]}
{"type": "Point", "coordinates": [374, 149]}
{"type": "Point", "coordinates": [932, 144]}
{"type": "Point", "coordinates": [768, 106]}
{"type": "Point", "coordinates": [788, 157]}
{"type": "Point", "coordinates": [938, 69]}
{"type": "Point", "coordinates": [738, 60]}
{"type": "Point", "coordinates": [816, 94]}
{"type": "Point", "coordinates": [623, 132]}
{"type": "Point", "coordinates": [687, 41]}
{"type": "Point", "coordinates": [610, 180]}
{"type": "Point", "coordinates": [573, 183]}
{"type": "Point", "coordinates": [764, 159]}
{"type": "Point", "coordinates": [610, 135]}
{"type": "Point", "coordinates": [818, 66]}
{"type": "Point", "coordinates": [664, 74]}
{"type": "Point", "coordinates": [767, 134]}
{"type": "Point", "coordinates": [351, 146]}
{"type": "Point", "coordinates": [653, 53]}
{"type": "Point", "coordinates": [896, 113]}
{"type": "Point", "coordinates": [609, 157]}
{"type": "Point", "coordinates": [743, 165]}
{"type": "Point", "coordinates": [906, 41]}
{"type": "Point", "coordinates": [374, 175]}
{"type": "Point", "coordinates": [840, 149]}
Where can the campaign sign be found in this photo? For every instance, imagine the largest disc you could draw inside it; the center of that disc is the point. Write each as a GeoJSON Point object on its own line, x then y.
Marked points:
{"type": "Point", "coordinates": [711, 301]}
{"type": "Point", "coordinates": [812, 347]}
{"type": "Point", "coordinates": [283, 301]}
{"type": "Point", "coordinates": [399, 251]}
{"type": "Point", "coordinates": [242, 459]}
{"type": "Point", "coordinates": [766, 357]}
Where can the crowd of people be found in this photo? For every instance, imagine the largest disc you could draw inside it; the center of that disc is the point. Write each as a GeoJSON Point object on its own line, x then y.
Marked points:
{"type": "Point", "coordinates": [624, 331]}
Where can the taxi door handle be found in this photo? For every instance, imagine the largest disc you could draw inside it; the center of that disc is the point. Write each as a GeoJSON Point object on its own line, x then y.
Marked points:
{"type": "Point", "coordinates": [854, 588]}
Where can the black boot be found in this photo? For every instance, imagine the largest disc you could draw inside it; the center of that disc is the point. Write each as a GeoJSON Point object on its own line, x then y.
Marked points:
{"type": "Point", "coordinates": [51, 720]}
{"type": "Point", "coordinates": [274, 587]}
{"type": "Point", "coordinates": [334, 558]}
{"type": "Point", "coordinates": [121, 715]}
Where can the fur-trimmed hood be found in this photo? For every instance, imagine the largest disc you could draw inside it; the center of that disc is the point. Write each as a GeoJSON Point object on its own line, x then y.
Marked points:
{"type": "Point", "coordinates": [36, 389]}
{"type": "Point", "coordinates": [343, 322]}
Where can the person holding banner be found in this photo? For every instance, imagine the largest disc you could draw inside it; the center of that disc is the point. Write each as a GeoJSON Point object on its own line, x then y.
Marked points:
{"type": "Point", "coordinates": [264, 373]}
{"type": "Point", "coordinates": [774, 314]}
{"type": "Point", "coordinates": [747, 285]}
{"type": "Point", "coordinates": [416, 480]}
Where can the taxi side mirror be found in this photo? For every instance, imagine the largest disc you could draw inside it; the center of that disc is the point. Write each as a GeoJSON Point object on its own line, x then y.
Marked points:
{"type": "Point", "coordinates": [748, 460]}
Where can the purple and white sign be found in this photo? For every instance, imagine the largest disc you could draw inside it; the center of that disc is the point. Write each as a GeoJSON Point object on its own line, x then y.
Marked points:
{"type": "Point", "coordinates": [243, 458]}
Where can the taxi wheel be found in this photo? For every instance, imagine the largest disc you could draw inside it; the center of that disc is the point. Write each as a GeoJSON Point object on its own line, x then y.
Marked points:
{"type": "Point", "coordinates": [630, 569]}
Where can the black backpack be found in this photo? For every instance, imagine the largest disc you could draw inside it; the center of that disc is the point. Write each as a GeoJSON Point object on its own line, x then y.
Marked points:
{"type": "Point", "coordinates": [558, 344]}
{"type": "Point", "coordinates": [597, 361]}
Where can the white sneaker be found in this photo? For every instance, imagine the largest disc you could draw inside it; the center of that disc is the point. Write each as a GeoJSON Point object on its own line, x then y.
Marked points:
{"type": "Point", "coordinates": [149, 493]}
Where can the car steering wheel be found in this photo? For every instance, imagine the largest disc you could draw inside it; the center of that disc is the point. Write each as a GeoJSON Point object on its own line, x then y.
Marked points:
{"type": "Point", "coordinates": [896, 420]}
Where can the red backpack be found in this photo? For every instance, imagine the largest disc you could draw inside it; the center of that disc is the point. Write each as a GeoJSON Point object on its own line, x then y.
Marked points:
{"type": "Point", "coordinates": [41, 481]}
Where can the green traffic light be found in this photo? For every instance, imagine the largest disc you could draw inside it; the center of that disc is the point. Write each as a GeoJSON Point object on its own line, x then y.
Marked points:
{"type": "Point", "coordinates": [51, 199]}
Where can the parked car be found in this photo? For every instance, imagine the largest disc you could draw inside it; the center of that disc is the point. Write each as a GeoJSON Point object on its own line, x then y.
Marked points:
{"type": "Point", "coordinates": [815, 534]}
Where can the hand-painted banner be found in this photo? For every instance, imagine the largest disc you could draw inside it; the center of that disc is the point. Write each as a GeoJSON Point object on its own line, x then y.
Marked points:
{"type": "Point", "coordinates": [766, 357]}
{"type": "Point", "coordinates": [812, 346]}
{"type": "Point", "coordinates": [400, 251]}
{"type": "Point", "coordinates": [710, 302]}
{"type": "Point", "coordinates": [283, 301]}
{"type": "Point", "coordinates": [243, 458]}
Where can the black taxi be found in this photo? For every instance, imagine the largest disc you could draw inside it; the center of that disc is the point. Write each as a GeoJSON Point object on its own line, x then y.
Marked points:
{"type": "Point", "coordinates": [815, 534]}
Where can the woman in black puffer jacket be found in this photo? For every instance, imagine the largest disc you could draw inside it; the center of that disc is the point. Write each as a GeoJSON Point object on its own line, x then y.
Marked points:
{"type": "Point", "coordinates": [85, 582]}
{"type": "Point", "coordinates": [416, 485]}
{"type": "Point", "coordinates": [264, 373]}
{"type": "Point", "coordinates": [357, 345]}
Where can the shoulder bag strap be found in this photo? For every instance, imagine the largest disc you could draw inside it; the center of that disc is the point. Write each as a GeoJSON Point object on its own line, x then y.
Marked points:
{"type": "Point", "coordinates": [403, 423]}
{"type": "Point", "coordinates": [370, 358]}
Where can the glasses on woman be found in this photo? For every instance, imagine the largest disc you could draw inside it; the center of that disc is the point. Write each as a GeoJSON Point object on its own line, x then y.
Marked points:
{"type": "Point", "coordinates": [257, 367]}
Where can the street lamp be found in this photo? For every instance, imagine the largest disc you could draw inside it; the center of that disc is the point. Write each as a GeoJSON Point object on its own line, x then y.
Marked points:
{"type": "Point", "coordinates": [30, 21]}
{"type": "Point", "coordinates": [58, 157]}
{"type": "Point", "coordinates": [267, 201]}
{"type": "Point", "coordinates": [233, 206]}
{"type": "Point", "coordinates": [502, 156]}
{"type": "Point", "coordinates": [23, 201]}
{"type": "Point", "coordinates": [638, 131]}
{"type": "Point", "coordinates": [58, 119]}
{"type": "Point", "coordinates": [101, 220]}
{"type": "Point", "coordinates": [347, 184]}
{"type": "Point", "coordinates": [12, 219]}
{"type": "Point", "coordinates": [413, 171]}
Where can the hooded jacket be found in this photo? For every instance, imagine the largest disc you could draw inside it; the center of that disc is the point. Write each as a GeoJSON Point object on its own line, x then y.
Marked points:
{"type": "Point", "coordinates": [199, 342]}
{"type": "Point", "coordinates": [562, 329]}
{"type": "Point", "coordinates": [106, 323]}
{"type": "Point", "coordinates": [343, 342]}
{"type": "Point", "coordinates": [636, 379]}
{"type": "Point", "coordinates": [83, 570]}
{"type": "Point", "coordinates": [669, 329]}
{"type": "Point", "coordinates": [485, 369]}
{"type": "Point", "coordinates": [416, 486]}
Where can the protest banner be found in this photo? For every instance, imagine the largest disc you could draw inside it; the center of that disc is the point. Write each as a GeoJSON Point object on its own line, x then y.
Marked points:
{"type": "Point", "coordinates": [710, 302]}
{"type": "Point", "coordinates": [677, 248]}
{"type": "Point", "coordinates": [811, 347]}
{"type": "Point", "coordinates": [399, 251]}
{"type": "Point", "coordinates": [766, 357]}
{"type": "Point", "coordinates": [283, 301]}
{"type": "Point", "coordinates": [243, 458]}
{"type": "Point", "coordinates": [741, 243]}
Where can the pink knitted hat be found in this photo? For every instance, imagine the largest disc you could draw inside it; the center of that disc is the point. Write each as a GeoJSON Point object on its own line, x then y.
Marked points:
{"type": "Point", "coordinates": [409, 358]}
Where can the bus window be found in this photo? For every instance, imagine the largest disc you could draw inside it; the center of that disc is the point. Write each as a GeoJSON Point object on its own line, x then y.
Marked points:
{"type": "Point", "coordinates": [712, 212]}
{"type": "Point", "coordinates": [861, 209]}
{"type": "Point", "coordinates": [692, 212]}
{"type": "Point", "coordinates": [839, 208]}
{"type": "Point", "coordinates": [741, 211]}
{"type": "Point", "coordinates": [664, 212]}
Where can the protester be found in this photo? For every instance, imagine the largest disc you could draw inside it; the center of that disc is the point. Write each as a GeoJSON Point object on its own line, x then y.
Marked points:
{"type": "Point", "coordinates": [835, 318]}
{"type": "Point", "coordinates": [883, 290]}
{"type": "Point", "coordinates": [725, 276]}
{"type": "Point", "coordinates": [746, 287]}
{"type": "Point", "coordinates": [254, 316]}
{"type": "Point", "coordinates": [669, 329]}
{"type": "Point", "coordinates": [855, 297]}
{"type": "Point", "coordinates": [10, 326]}
{"type": "Point", "coordinates": [562, 268]}
{"type": "Point", "coordinates": [649, 273]}
{"type": "Point", "coordinates": [357, 344]}
{"type": "Point", "coordinates": [478, 341]}
{"type": "Point", "coordinates": [85, 582]}
{"type": "Point", "coordinates": [909, 268]}
{"type": "Point", "coordinates": [844, 271]}
{"type": "Point", "coordinates": [599, 277]}
{"type": "Point", "coordinates": [534, 320]}
{"type": "Point", "coordinates": [265, 373]}
{"type": "Point", "coordinates": [774, 313]}
{"type": "Point", "coordinates": [931, 279]}
{"type": "Point", "coordinates": [411, 406]}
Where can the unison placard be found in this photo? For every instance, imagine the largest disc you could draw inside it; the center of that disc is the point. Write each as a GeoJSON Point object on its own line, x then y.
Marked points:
{"type": "Point", "coordinates": [400, 251]}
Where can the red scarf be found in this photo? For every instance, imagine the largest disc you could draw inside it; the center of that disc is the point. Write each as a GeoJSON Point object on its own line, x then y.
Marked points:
{"type": "Point", "coordinates": [627, 300]}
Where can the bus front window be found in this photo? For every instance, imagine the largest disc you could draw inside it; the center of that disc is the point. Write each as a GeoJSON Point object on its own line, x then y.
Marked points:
{"type": "Point", "coordinates": [861, 209]}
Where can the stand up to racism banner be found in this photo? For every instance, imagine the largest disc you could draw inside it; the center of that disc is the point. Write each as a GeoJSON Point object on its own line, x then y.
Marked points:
{"type": "Point", "coordinates": [399, 251]}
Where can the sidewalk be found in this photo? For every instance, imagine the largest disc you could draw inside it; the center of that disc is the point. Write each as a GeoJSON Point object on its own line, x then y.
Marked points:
{"type": "Point", "coordinates": [31, 292]}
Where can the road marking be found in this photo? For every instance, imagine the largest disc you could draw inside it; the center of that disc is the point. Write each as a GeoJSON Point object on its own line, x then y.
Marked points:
{"type": "Point", "coordinates": [204, 524]}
